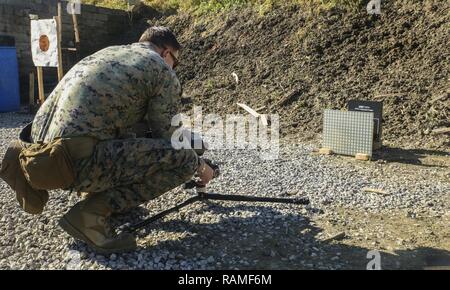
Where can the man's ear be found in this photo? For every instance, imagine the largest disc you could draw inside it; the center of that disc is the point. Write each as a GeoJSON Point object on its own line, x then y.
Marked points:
{"type": "Point", "coordinates": [164, 53]}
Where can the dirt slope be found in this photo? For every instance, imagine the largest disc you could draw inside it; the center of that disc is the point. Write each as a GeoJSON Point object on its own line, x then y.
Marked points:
{"type": "Point", "coordinates": [323, 59]}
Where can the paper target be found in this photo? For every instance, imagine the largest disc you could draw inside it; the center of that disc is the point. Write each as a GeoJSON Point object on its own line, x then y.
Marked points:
{"type": "Point", "coordinates": [44, 42]}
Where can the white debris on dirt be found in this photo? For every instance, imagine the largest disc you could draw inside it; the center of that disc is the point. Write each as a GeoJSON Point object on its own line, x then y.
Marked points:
{"type": "Point", "coordinates": [230, 235]}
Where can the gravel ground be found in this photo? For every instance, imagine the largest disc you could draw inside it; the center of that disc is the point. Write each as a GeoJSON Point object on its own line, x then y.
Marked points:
{"type": "Point", "coordinates": [408, 224]}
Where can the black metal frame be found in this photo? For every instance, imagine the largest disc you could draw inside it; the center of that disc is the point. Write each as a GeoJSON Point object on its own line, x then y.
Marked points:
{"type": "Point", "coordinates": [212, 196]}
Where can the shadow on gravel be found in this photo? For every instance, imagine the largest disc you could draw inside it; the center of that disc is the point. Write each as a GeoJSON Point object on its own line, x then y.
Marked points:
{"type": "Point", "coordinates": [14, 124]}
{"type": "Point", "coordinates": [262, 238]}
{"type": "Point", "coordinates": [413, 156]}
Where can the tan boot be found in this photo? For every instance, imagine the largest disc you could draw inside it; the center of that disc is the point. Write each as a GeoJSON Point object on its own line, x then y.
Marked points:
{"type": "Point", "coordinates": [31, 200]}
{"type": "Point", "coordinates": [87, 221]}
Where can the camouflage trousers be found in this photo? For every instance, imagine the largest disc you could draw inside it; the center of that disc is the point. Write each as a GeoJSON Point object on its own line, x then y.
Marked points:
{"type": "Point", "coordinates": [133, 171]}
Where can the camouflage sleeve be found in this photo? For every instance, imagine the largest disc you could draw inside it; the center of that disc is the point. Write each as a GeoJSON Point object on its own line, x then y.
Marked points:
{"type": "Point", "coordinates": [164, 106]}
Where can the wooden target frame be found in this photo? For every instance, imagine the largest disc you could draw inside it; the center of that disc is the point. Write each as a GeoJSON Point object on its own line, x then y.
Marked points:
{"type": "Point", "coordinates": [39, 69]}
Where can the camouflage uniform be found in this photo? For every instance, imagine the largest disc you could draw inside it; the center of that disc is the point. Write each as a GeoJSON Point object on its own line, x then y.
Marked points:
{"type": "Point", "coordinates": [104, 96]}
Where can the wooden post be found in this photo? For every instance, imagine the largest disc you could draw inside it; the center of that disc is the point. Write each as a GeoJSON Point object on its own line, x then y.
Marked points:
{"type": "Point", "coordinates": [40, 77]}
{"type": "Point", "coordinates": [59, 37]}
{"type": "Point", "coordinates": [75, 26]}
{"type": "Point", "coordinates": [77, 33]}
{"type": "Point", "coordinates": [31, 91]}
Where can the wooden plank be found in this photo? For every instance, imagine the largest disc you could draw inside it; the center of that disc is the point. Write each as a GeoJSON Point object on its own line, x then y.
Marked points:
{"type": "Point", "coordinates": [59, 29]}
{"type": "Point", "coordinates": [375, 190]}
{"type": "Point", "coordinates": [260, 108]}
{"type": "Point", "coordinates": [255, 114]}
{"type": "Point", "coordinates": [325, 151]}
{"type": "Point", "coordinates": [59, 15]}
{"type": "Point", "coordinates": [75, 26]}
{"type": "Point", "coordinates": [441, 130]}
{"type": "Point", "coordinates": [76, 32]}
{"type": "Point", "coordinates": [31, 90]}
{"type": "Point", "coordinates": [362, 157]}
{"type": "Point", "coordinates": [40, 77]}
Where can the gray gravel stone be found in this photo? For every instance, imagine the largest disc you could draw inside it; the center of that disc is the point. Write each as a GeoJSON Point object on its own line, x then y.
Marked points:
{"type": "Point", "coordinates": [36, 242]}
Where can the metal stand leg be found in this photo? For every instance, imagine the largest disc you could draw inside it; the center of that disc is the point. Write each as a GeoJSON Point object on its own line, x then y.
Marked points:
{"type": "Point", "coordinates": [210, 196]}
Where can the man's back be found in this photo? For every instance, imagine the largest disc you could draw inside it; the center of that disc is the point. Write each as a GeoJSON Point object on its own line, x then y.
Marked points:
{"type": "Point", "coordinates": [107, 93]}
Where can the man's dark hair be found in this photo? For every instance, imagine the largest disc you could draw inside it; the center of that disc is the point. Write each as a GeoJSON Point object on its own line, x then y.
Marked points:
{"type": "Point", "coordinates": [160, 36]}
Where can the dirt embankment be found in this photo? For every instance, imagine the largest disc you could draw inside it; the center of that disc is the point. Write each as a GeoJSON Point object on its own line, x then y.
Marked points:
{"type": "Point", "coordinates": [322, 60]}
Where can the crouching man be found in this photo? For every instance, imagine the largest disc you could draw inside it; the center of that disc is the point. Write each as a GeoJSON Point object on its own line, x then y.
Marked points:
{"type": "Point", "coordinates": [84, 139]}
